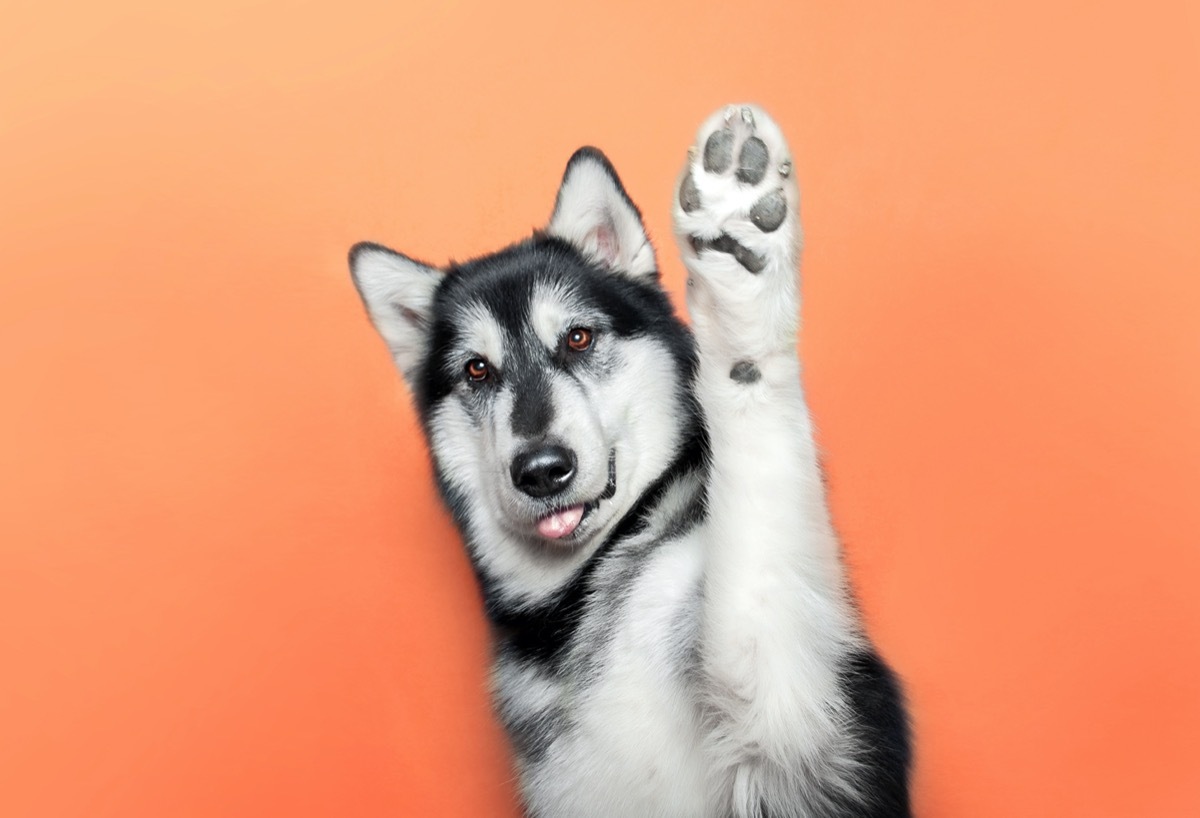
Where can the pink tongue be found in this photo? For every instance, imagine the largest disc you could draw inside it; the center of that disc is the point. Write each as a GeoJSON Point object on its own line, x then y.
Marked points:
{"type": "Point", "coordinates": [560, 523]}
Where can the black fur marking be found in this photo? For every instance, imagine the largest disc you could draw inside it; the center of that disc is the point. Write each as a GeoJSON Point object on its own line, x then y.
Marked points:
{"type": "Point", "coordinates": [876, 699]}
{"type": "Point", "coordinates": [688, 517]}
{"type": "Point", "coordinates": [745, 372]}
{"type": "Point", "coordinates": [532, 409]}
{"type": "Point", "coordinates": [531, 733]}
{"type": "Point", "coordinates": [726, 243]}
{"type": "Point", "coordinates": [689, 196]}
{"type": "Point", "coordinates": [752, 161]}
{"type": "Point", "coordinates": [532, 737]}
{"type": "Point", "coordinates": [610, 488]}
{"type": "Point", "coordinates": [769, 211]}
{"type": "Point", "coordinates": [718, 151]}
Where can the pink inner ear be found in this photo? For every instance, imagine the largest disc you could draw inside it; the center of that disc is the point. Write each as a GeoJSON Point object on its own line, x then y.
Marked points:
{"type": "Point", "coordinates": [604, 239]}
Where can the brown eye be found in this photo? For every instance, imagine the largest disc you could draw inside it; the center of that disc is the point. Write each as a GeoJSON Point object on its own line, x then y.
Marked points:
{"type": "Point", "coordinates": [579, 339]}
{"type": "Point", "coordinates": [478, 370]}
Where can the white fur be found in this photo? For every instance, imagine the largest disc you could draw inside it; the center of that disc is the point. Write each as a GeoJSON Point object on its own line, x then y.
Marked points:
{"type": "Point", "coordinates": [639, 747]}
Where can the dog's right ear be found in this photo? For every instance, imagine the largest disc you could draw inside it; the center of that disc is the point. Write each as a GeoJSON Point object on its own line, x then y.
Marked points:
{"type": "Point", "coordinates": [398, 294]}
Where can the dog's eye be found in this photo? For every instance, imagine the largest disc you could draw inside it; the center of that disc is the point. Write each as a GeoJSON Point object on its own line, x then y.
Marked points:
{"type": "Point", "coordinates": [579, 338]}
{"type": "Point", "coordinates": [478, 369]}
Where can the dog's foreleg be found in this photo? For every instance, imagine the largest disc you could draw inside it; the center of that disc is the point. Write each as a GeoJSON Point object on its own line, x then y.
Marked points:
{"type": "Point", "coordinates": [776, 619]}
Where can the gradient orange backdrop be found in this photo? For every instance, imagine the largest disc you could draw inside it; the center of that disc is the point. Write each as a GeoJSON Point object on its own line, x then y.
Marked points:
{"type": "Point", "coordinates": [226, 588]}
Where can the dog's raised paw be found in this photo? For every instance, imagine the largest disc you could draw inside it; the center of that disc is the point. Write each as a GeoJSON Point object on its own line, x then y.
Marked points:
{"type": "Point", "coordinates": [737, 196]}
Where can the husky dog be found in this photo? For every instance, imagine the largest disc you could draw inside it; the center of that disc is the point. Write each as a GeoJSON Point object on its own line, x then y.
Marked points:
{"type": "Point", "coordinates": [642, 504]}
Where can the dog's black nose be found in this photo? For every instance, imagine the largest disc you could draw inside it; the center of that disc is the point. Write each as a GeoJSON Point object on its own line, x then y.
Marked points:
{"type": "Point", "coordinates": [544, 471]}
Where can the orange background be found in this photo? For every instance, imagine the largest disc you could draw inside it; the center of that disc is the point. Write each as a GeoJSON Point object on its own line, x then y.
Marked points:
{"type": "Point", "coordinates": [226, 588]}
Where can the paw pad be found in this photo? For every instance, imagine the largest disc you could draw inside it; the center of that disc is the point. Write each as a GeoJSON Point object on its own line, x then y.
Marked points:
{"type": "Point", "coordinates": [769, 211]}
{"type": "Point", "coordinates": [745, 372]}
{"type": "Point", "coordinates": [726, 243]}
{"type": "Point", "coordinates": [752, 161]}
{"type": "Point", "coordinates": [718, 151]}
{"type": "Point", "coordinates": [740, 158]}
{"type": "Point", "coordinates": [689, 196]}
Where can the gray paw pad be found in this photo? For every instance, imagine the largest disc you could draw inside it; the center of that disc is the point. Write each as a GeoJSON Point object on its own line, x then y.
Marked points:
{"type": "Point", "coordinates": [726, 243]}
{"type": "Point", "coordinates": [745, 372]}
{"type": "Point", "coordinates": [689, 196]}
{"type": "Point", "coordinates": [718, 151]}
{"type": "Point", "coordinates": [768, 212]}
{"type": "Point", "coordinates": [752, 161]}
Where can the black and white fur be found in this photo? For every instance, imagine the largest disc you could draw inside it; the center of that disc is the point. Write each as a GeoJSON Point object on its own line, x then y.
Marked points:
{"type": "Point", "coordinates": [690, 648]}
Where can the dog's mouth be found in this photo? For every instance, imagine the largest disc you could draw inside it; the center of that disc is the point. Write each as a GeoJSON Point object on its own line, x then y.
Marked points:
{"type": "Point", "coordinates": [566, 523]}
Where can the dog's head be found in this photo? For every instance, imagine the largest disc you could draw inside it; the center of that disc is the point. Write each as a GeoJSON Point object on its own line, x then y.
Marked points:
{"type": "Point", "coordinates": [552, 378]}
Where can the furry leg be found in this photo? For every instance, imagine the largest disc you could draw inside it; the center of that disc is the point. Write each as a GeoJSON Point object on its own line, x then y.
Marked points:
{"type": "Point", "coordinates": [776, 620]}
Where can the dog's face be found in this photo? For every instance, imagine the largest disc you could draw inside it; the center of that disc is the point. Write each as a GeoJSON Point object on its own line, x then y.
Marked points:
{"type": "Point", "coordinates": [552, 378]}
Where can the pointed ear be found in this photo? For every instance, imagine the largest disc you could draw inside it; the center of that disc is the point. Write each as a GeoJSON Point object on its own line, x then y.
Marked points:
{"type": "Point", "coordinates": [398, 294]}
{"type": "Point", "coordinates": [594, 213]}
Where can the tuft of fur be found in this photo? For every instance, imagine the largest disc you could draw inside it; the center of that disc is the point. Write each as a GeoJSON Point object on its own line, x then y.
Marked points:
{"type": "Point", "coordinates": [690, 646]}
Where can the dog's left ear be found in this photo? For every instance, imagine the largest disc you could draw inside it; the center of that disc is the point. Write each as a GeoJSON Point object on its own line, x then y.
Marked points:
{"type": "Point", "coordinates": [594, 213]}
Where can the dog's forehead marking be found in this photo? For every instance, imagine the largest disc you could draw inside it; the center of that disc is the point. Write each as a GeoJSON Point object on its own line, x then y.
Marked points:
{"type": "Point", "coordinates": [480, 333]}
{"type": "Point", "coordinates": [552, 308]}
